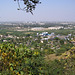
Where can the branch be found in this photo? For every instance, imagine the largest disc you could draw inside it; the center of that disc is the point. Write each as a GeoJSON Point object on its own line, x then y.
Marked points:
{"type": "Point", "coordinates": [30, 5]}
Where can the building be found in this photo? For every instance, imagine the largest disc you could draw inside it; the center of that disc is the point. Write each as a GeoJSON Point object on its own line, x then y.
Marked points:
{"type": "Point", "coordinates": [58, 27]}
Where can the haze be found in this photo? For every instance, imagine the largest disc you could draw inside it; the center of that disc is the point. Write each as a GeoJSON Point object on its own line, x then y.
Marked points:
{"type": "Point", "coordinates": [49, 10]}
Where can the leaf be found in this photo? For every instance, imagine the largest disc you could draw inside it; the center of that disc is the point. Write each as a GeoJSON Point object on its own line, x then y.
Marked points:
{"type": "Point", "coordinates": [22, 73]}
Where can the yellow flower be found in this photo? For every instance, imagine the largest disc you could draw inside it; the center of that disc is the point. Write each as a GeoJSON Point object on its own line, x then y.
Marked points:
{"type": "Point", "coordinates": [8, 57]}
{"type": "Point", "coordinates": [0, 50]}
{"type": "Point", "coordinates": [64, 67]}
{"type": "Point", "coordinates": [36, 53]}
{"type": "Point", "coordinates": [16, 62]}
{"type": "Point", "coordinates": [2, 57]}
{"type": "Point", "coordinates": [65, 64]}
{"type": "Point", "coordinates": [18, 73]}
{"type": "Point", "coordinates": [11, 68]}
{"type": "Point", "coordinates": [4, 54]}
{"type": "Point", "coordinates": [40, 68]}
{"type": "Point", "coordinates": [15, 56]}
{"type": "Point", "coordinates": [14, 53]}
{"type": "Point", "coordinates": [15, 65]}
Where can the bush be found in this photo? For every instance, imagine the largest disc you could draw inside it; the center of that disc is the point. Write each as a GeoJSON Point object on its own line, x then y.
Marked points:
{"type": "Point", "coordinates": [60, 51]}
{"type": "Point", "coordinates": [19, 60]}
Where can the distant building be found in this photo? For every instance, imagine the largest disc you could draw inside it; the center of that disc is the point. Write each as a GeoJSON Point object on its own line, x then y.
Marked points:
{"type": "Point", "coordinates": [69, 35]}
{"type": "Point", "coordinates": [38, 28]}
{"type": "Point", "coordinates": [51, 36]}
{"type": "Point", "coordinates": [10, 36]}
{"type": "Point", "coordinates": [41, 41]}
{"type": "Point", "coordinates": [73, 42]}
{"type": "Point", "coordinates": [58, 27]}
{"type": "Point", "coordinates": [45, 39]}
{"type": "Point", "coordinates": [4, 40]}
{"type": "Point", "coordinates": [44, 34]}
{"type": "Point", "coordinates": [37, 34]}
{"type": "Point", "coordinates": [1, 36]}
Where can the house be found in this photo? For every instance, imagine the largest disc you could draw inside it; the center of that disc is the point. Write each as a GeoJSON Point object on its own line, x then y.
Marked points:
{"type": "Point", "coordinates": [9, 36]}
{"type": "Point", "coordinates": [45, 39]}
{"type": "Point", "coordinates": [73, 42]}
{"type": "Point", "coordinates": [44, 34]}
{"type": "Point", "coordinates": [51, 36]}
{"type": "Point", "coordinates": [4, 40]}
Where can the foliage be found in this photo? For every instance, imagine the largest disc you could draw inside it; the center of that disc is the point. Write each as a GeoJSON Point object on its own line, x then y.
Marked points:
{"type": "Point", "coordinates": [29, 5]}
{"type": "Point", "coordinates": [26, 56]}
{"type": "Point", "coordinates": [63, 48]}
{"type": "Point", "coordinates": [60, 51]}
{"type": "Point", "coordinates": [54, 68]}
{"type": "Point", "coordinates": [19, 60]}
{"type": "Point", "coordinates": [61, 42]}
{"type": "Point", "coordinates": [69, 62]}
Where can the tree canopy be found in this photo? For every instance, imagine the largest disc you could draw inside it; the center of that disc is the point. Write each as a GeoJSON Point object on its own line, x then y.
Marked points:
{"type": "Point", "coordinates": [29, 5]}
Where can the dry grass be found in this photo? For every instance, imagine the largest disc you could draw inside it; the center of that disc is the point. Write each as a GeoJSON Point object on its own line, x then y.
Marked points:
{"type": "Point", "coordinates": [52, 57]}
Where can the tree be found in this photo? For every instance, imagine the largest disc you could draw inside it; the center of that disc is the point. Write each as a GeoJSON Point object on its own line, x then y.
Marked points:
{"type": "Point", "coordinates": [61, 42]}
{"type": "Point", "coordinates": [29, 5]}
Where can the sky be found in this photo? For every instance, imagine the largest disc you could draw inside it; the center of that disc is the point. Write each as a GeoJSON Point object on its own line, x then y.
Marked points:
{"type": "Point", "coordinates": [48, 10]}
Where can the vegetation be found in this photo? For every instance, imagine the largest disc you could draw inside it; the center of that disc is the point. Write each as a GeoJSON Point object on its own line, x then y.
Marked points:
{"type": "Point", "coordinates": [25, 53]}
{"type": "Point", "coordinates": [20, 60]}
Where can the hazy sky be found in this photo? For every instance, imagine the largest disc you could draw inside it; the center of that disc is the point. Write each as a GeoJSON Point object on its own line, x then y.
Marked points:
{"type": "Point", "coordinates": [49, 10]}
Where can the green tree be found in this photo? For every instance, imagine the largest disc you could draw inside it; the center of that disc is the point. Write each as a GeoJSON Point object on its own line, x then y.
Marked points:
{"type": "Point", "coordinates": [61, 42]}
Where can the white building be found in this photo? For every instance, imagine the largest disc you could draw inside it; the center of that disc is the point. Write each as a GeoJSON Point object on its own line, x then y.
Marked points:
{"type": "Point", "coordinates": [59, 27]}
{"type": "Point", "coordinates": [37, 28]}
